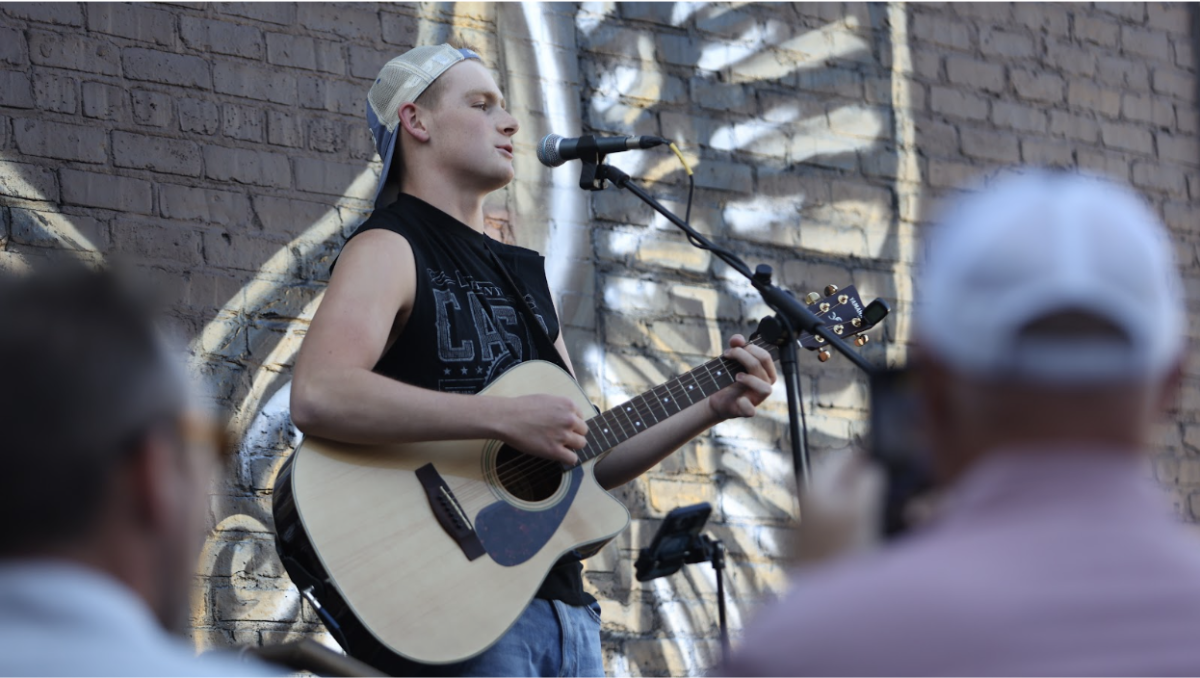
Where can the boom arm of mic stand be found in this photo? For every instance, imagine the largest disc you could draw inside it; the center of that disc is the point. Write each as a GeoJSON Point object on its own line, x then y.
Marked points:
{"type": "Point", "coordinates": [777, 298]}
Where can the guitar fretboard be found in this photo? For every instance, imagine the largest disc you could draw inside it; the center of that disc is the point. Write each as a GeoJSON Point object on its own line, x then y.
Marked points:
{"type": "Point", "coordinates": [613, 427]}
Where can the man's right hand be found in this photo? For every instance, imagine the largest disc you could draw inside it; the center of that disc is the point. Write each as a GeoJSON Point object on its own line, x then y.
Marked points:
{"type": "Point", "coordinates": [546, 426]}
{"type": "Point", "coordinates": [840, 508]}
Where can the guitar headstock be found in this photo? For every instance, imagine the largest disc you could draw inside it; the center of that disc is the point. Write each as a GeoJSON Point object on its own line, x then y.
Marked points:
{"type": "Point", "coordinates": [841, 309]}
{"type": "Point", "coordinates": [845, 313]}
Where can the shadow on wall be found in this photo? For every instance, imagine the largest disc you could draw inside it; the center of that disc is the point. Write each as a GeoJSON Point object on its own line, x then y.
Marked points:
{"type": "Point", "coordinates": [788, 119]}
{"type": "Point", "coordinates": [786, 111]}
{"type": "Point", "coordinates": [232, 202]}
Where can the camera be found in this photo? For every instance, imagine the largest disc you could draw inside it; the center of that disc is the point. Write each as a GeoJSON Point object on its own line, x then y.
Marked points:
{"type": "Point", "coordinates": [900, 446]}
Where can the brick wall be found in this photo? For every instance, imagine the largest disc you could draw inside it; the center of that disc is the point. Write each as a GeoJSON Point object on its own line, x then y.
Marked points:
{"type": "Point", "coordinates": [220, 148]}
{"type": "Point", "coordinates": [786, 110]}
{"type": "Point", "coordinates": [1109, 88]}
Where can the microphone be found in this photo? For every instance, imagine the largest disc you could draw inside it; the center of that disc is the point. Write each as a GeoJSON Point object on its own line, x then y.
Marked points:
{"type": "Point", "coordinates": [555, 150]}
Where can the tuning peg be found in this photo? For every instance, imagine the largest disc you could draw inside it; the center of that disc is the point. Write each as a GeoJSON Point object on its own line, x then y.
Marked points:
{"type": "Point", "coordinates": [861, 340]}
{"type": "Point", "coordinates": [837, 329]}
{"type": "Point", "coordinates": [857, 322]}
{"type": "Point", "coordinates": [843, 298]}
{"type": "Point", "coordinates": [823, 354]}
{"type": "Point", "coordinates": [812, 298]}
{"type": "Point", "coordinates": [831, 290]}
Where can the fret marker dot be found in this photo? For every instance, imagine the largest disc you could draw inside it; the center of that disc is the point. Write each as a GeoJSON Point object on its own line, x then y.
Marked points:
{"type": "Point", "coordinates": [691, 387]}
{"type": "Point", "coordinates": [638, 423]}
{"type": "Point", "coordinates": [718, 373]}
{"type": "Point", "coordinates": [628, 409]}
{"type": "Point", "coordinates": [666, 400]}
{"type": "Point", "coordinates": [606, 430]}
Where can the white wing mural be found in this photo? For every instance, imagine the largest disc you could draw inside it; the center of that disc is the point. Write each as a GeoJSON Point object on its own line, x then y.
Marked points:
{"type": "Point", "coordinates": [803, 161]}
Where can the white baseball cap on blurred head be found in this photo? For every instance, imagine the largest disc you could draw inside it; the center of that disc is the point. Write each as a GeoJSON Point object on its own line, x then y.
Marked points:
{"type": "Point", "coordinates": [1039, 245]}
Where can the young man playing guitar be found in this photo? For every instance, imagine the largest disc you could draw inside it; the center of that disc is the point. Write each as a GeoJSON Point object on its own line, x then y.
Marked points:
{"type": "Point", "coordinates": [423, 310]}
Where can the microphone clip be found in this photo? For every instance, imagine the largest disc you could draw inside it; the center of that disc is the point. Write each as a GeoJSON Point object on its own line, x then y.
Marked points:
{"type": "Point", "coordinates": [590, 178]}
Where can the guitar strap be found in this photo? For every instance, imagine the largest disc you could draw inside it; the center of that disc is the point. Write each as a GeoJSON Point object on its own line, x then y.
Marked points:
{"type": "Point", "coordinates": [548, 348]}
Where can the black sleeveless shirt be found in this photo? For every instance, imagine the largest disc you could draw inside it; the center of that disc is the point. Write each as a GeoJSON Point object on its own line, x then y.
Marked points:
{"type": "Point", "coordinates": [466, 326]}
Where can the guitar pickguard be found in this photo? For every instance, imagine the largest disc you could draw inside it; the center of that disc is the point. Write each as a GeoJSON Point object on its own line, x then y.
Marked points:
{"type": "Point", "coordinates": [513, 535]}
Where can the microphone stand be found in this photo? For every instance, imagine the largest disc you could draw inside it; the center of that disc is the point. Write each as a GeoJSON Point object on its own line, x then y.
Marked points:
{"type": "Point", "coordinates": [791, 317]}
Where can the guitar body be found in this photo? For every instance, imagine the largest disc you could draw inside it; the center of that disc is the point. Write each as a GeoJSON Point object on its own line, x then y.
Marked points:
{"type": "Point", "coordinates": [431, 551]}
{"type": "Point", "coordinates": [358, 524]}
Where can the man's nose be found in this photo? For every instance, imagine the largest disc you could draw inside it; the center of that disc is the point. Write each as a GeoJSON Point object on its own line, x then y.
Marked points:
{"type": "Point", "coordinates": [509, 126]}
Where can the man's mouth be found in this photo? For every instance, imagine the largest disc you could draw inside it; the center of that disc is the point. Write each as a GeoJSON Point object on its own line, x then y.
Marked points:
{"type": "Point", "coordinates": [508, 149]}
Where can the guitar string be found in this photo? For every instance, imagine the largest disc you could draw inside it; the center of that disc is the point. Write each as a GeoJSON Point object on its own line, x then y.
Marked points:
{"type": "Point", "coordinates": [525, 466]}
{"type": "Point", "coordinates": [522, 467]}
{"type": "Point", "coordinates": [536, 469]}
{"type": "Point", "coordinates": [641, 406]}
{"type": "Point", "coordinates": [507, 472]}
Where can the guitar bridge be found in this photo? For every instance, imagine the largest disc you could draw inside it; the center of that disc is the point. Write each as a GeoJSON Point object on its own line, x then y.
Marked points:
{"type": "Point", "coordinates": [449, 512]}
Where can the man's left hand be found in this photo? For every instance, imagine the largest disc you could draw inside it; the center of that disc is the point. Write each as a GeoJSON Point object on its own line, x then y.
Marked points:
{"type": "Point", "coordinates": [752, 386]}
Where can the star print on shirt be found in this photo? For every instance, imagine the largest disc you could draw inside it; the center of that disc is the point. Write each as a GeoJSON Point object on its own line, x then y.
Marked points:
{"type": "Point", "coordinates": [446, 371]}
{"type": "Point", "coordinates": [464, 370]}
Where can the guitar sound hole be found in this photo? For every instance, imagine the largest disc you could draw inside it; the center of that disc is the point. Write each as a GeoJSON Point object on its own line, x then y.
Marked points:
{"type": "Point", "coordinates": [527, 478]}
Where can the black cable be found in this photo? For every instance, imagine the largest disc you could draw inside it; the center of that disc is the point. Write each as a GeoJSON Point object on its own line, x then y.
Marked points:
{"type": "Point", "coordinates": [687, 215]}
{"type": "Point", "coordinates": [803, 427]}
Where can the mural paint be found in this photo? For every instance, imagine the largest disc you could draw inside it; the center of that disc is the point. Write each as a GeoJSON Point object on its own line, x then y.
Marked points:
{"type": "Point", "coordinates": [623, 281]}
{"type": "Point", "coordinates": [807, 224]}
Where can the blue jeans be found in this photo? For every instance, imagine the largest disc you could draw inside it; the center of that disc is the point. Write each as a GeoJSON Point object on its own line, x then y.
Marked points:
{"type": "Point", "coordinates": [549, 639]}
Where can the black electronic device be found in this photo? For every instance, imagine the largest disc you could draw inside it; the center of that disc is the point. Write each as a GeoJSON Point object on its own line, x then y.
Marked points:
{"type": "Point", "coordinates": [676, 543]}
{"type": "Point", "coordinates": [899, 444]}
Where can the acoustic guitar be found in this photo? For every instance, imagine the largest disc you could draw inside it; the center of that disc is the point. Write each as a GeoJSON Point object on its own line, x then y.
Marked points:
{"type": "Point", "coordinates": [432, 550]}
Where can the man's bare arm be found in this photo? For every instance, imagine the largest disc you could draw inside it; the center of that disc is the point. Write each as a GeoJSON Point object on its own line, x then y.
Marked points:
{"type": "Point", "coordinates": [637, 455]}
{"type": "Point", "coordinates": [336, 395]}
{"type": "Point", "coordinates": [642, 452]}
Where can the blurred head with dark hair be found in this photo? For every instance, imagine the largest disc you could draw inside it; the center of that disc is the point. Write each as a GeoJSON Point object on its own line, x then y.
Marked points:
{"type": "Point", "coordinates": [104, 462]}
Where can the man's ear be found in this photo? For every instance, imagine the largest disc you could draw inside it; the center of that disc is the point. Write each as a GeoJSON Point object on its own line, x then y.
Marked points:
{"type": "Point", "coordinates": [932, 385]}
{"type": "Point", "coordinates": [412, 118]}
{"type": "Point", "coordinates": [1171, 390]}
{"type": "Point", "coordinates": [154, 481]}
{"type": "Point", "coordinates": [937, 412]}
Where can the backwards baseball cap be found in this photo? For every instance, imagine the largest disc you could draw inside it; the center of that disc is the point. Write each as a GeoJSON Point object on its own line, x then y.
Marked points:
{"type": "Point", "coordinates": [401, 81]}
{"type": "Point", "coordinates": [1038, 245]}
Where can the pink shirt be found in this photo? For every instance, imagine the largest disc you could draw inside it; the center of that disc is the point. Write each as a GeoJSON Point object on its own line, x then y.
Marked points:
{"type": "Point", "coordinates": [1043, 563]}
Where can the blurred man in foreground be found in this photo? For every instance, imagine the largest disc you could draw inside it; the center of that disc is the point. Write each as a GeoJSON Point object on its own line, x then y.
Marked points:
{"type": "Point", "coordinates": [1050, 329]}
{"type": "Point", "coordinates": [105, 470]}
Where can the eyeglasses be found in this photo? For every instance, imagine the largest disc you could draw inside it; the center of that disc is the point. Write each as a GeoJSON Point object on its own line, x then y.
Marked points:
{"type": "Point", "coordinates": [201, 430]}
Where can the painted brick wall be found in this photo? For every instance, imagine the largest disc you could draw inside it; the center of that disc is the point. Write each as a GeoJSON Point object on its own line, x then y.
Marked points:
{"type": "Point", "coordinates": [1109, 88]}
{"type": "Point", "coordinates": [786, 111]}
{"type": "Point", "coordinates": [220, 148]}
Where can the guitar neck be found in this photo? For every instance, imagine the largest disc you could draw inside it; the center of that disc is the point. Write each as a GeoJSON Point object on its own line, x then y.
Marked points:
{"type": "Point", "coordinates": [613, 427]}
